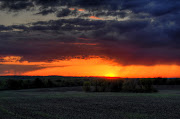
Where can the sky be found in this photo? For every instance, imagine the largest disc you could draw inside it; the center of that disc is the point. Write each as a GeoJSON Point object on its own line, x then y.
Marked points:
{"type": "Point", "coordinates": [113, 38]}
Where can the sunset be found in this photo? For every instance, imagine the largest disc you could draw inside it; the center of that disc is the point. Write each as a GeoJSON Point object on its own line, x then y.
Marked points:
{"type": "Point", "coordinates": [124, 39]}
{"type": "Point", "coordinates": [93, 59]}
{"type": "Point", "coordinates": [86, 67]}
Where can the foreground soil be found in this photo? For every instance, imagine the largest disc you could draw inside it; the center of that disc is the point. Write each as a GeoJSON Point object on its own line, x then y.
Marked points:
{"type": "Point", "coordinates": [71, 103]}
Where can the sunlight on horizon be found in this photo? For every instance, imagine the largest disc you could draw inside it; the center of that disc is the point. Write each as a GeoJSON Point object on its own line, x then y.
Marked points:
{"type": "Point", "coordinates": [110, 75]}
{"type": "Point", "coordinates": [88, 67]}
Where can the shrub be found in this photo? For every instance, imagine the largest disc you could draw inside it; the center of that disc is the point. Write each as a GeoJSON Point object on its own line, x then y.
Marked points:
{"type": "Point", "coordinates": [87, 86]}
{"type": "Point", "coordinates": [116, 86]}
{"type": "Point", "coordinates": [130, 85]}
{"type": "Point", "coordinates": [13, 84]}
{"type": "Point", "coordinates": [138, 85]}
{"type": "Point", "coordinates": [101, 87]}
{"type": "Point", "coordinates": [50, 84]}
{"type": "Point", "coordinates": [146, 84]}
{"type": "Point", "coordinates": [1, 85]}
{"type": "Point", "coordinates": [38, 83]}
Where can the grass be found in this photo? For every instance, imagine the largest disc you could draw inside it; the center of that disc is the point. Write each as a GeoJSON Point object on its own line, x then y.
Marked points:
{"type": "Point", "coordinates": [53, 104]}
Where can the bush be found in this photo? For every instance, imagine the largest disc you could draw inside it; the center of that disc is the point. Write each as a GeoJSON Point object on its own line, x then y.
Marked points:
{"type": "Point", "coordinates": [87, 86]}
{"type": "Point", "coordinates": [138, 85]}
{"type": "Point", "coordinates": [116, 86]}
{"type": "Point", "coordinates": [38, 83]}
{"type": "Point", "coordinates": [99, 85]}
{"type": "Point", "coordinates": [13, 84]}
{"type": "Point", "coordinates": [130, 85]}
{"type": "Point", "coordinates": [49, 84]}
{"type": "Point", "coordinates": [1, 85]}
{"type": "Point", "coordinates": [27, 84]}
{"type": "Point", "coordinates": [103, 86]}
{"type": "Point", "coordinates": [147, 84]}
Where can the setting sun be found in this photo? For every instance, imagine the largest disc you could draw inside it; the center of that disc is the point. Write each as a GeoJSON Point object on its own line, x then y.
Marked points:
{"type": "Point", "coordinates": [110, 75]}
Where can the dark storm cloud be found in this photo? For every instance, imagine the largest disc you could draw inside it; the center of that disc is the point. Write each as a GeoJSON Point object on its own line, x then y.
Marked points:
{"type": "Point", "coordinates": [17, 69]}
{"type": "Point", "coordinates": [63, 13]}
{"type": "Point", "coordinates": [149, 36]}
{"type": "Point", "coordinates": [43, 46]}
{"type": "Point", "coordinates": [46, 12]}
{"type": "Point", "coordinates": [15, 5]}
{"type": "Point", "coordinates": [153, 7]}
{"type": "Point", "coordinates": [76, 24]}
{"type": "Point", "coordinates": [2, 28]}
{"type": "Point", "coordinates": [148, 43]}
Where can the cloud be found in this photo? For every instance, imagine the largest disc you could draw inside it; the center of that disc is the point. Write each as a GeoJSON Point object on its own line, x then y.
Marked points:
{"type": "Point", "coordinates": [148, 36]}
{"type": "Point", "coordinates": [129, 42]}
{"type": "Point", "coordinates": [46, 11]}
{"type": "Point", "coordinates": [4, 28]}
{"type": "Point", "coordinates": [115, 8]}
{"type": "Point", "coordinates": [17, 69]}
{"type": "Point", "coordinates": [63, 13]}
{"type": "Point", "coordinates": [15, 5]}
{"type": "Point", "coordinates": [75, 24]}
{"type": "Point", "coordinates": [94, 17]}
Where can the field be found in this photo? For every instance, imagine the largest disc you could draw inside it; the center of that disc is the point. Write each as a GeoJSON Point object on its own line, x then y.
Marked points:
{"type": "Point", "coordinates": [72, 103]}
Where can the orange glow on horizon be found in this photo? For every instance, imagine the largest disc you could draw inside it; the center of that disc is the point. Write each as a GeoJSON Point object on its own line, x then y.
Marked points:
{"type": "Point", "coordinates": [105, 68]}
{"type": "Point", "coordinates": [94, 67]}
{"type": "Point", "coordinates": [79, 67]}
{"type": "Point", "coordinates": [110, 75]}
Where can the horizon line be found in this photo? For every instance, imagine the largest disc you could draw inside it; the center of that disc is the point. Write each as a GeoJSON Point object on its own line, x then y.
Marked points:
{"type": "Point", "coordinates": [79, 76]}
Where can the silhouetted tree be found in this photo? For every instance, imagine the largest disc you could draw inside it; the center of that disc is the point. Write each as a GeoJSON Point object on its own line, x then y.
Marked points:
{"type": "Point", "coordinates": [14, 84]}
{"type": "Point", "coordinates": [116, 86]}
{"type": "Point", "coordinates": [130, 85]}
{"type": "Point", "coordinates": [50, 83]}
{"type": "Point", "coordinates": [38, 83]}
{"type": "Point", "coordinates": [87, 86]}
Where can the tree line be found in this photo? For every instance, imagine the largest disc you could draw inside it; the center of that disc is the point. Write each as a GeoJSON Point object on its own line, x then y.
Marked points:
{"type": "Point", "coordinates": [90, 84]}
{"type": "Point", "coordinates": [127, 85]}
{"type": "Point", "coordinates": [16, 84]}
